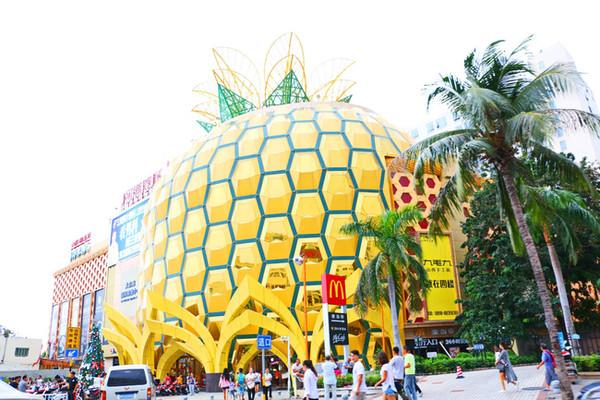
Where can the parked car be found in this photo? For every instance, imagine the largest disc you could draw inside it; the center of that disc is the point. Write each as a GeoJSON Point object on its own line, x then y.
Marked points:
{"type": "Point", "coordinates": [7, 392]}
{"type": "Point", "coordinates": [129, 382]}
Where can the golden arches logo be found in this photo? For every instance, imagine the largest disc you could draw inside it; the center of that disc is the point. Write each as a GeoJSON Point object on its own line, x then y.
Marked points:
{"type": "Point", "coordinates": [336, 287]}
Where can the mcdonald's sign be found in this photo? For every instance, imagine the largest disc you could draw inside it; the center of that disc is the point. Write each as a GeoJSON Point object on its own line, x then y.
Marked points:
{"type": "Point", "coordinates": [334, 289]}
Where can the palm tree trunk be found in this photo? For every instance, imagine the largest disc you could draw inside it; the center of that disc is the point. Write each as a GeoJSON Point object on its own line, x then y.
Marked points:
{"type": "Point", "coordinates": [562, 292]}
{"type": "Point", "coordinates": [394, 311]}
{"type": "Point", "coordinates": [540, 280]}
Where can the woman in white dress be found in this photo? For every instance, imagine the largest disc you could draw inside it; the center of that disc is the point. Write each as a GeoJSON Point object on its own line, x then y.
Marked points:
{"type": "Point", "coordinates": [310, 381]}
{"type": "Point", "coordinates": [387, 378]}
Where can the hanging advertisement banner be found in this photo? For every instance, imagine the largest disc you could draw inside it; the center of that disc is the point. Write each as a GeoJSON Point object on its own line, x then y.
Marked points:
{"type": "Point", "coordinates": [126, 233]}
{"type": "Point", "coordinates": [338, 329]}
{"type": "Point", "coordinates": [438, 261]}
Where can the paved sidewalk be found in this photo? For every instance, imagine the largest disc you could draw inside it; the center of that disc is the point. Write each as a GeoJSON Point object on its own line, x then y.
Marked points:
{"type": "Point", "coordinates": [477, 385]}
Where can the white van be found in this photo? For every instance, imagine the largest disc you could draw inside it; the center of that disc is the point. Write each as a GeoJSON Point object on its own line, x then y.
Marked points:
{"type": "Point", "coordinates": [129, 382]}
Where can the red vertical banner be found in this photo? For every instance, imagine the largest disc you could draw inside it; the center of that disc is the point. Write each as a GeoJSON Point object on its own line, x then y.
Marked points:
{"type": "Point", "coordinates": [333, 289]}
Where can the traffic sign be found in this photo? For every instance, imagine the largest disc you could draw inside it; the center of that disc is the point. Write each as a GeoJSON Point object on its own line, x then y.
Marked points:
{"type": "Point", "coordinates": [263, 342]}
{"type": "Point", "coordinates": [72, 353]}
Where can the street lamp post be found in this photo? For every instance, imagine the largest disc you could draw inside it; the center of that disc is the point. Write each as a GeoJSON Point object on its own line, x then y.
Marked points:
{"type": "Point", "coordinates": [301, 261]}
{"type": "Point", "coordinates": [289, 382]}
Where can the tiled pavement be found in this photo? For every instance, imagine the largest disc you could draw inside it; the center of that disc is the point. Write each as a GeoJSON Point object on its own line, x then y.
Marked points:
{"type": "Point", "coordinates": [477, 385]}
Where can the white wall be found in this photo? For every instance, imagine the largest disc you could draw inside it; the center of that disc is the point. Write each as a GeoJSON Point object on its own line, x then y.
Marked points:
{"type": "Point", "coordinates": [8, 348]}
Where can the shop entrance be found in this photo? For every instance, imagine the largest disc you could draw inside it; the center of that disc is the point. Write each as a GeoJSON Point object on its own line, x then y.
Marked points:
{"type": "Point", "coordinates": [182, 368]}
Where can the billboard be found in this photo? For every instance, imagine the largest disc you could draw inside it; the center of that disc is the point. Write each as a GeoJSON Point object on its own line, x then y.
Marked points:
{"type": "Point", "coordinates": [81, 246]}
{"type": "Point", "coordinates": [439, 263]}
{"type": "Point", "coordinates": [126, 233]}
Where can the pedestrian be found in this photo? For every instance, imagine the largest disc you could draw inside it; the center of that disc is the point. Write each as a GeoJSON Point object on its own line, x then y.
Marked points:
{"type": "Point", "coordinates": [329, 378]}
{"type": "Point", "coordinates": [398, 372]}
{"type": "Point", "coordinates": [22, 385]}
{"type": "Point", "coordinates": [224, 382]}
{"type": "Point", "coordinates": [257, 379]}
{"type": "Point", "coordinates": [347, 366]}
{"type": "Point", "coordinates": [500, 368]}
{"type": "Point", "coordinates": [71, 385]}
{"type": "Point", "coordinates": [388, 386]}
{"type": "Point", "coordinates": [359, 378]}
{"type": "Point", "coordinates": [297, 372]}
{"type": "Point", "coordinates": [191, 384]}
{"type": "Point", "coordinates": [240, 384]}
{"type": "Point", "coordinates": [250, 384]}
{"type": "Point", "coordinates": [504, 360]}
{"type": "Point", "coordinates": [549, 363]}
{"type": "Point", "coordinates": [267, 382]}
{"type": "Point", "coordinates": [410, 379]}
{"type": "Point", "coordinates": [310, 381]}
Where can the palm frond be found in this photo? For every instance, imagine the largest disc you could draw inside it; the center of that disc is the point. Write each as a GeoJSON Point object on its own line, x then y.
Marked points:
{"type": "Point", "coordinates": [415, 150]}
{"type": "Point", "coordinates": [449, 91]}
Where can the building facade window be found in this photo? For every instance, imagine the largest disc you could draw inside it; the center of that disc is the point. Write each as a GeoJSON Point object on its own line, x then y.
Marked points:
{"type": "Point", "coordinates": [560, 132]}
{"type": "Point", "coordinates": [430, 127]}
{"type": "Point", "coordinates": [53, 329]}
{"type": "Point", "coordinates": [21, 351]}
{"type": "Point", "coordinates": [414, 133]}
{"type": "Point", "coordinates": [74, 312]}
{"type": "Point", "coordinates": [98, 307]}
{"type": "Point", "coordinates": [63, 321]}
{"type": "Point", "coordinates": [563, 145]}
{"type": "Point", "coordinates": [440, 123]}
{"type": "Point", "coordinates": [85, 320]}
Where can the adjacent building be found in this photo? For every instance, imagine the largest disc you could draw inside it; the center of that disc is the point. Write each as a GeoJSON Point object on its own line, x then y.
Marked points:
{"type": "Point", "coordinates": [19, 353]}
{"type": "Point", "coordinates": [77, 300]}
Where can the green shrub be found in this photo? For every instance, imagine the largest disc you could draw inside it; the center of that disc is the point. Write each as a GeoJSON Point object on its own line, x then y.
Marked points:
{"type": "Point", "coordinates": [588, 363]}
{"type": "Point", "coordinates": [372, 378]}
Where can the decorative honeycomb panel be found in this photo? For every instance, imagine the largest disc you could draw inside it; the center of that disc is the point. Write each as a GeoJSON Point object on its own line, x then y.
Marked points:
{"type": "Point", "coordinates": [258, 190]}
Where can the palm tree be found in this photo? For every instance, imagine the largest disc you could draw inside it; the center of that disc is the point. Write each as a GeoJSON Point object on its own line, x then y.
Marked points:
{"type": "Point", "coordinates": [399, 257]}
{"type": "Point", "coordinates": [508, 116]}
{"type": "Point", "coordinates": [552, 214]}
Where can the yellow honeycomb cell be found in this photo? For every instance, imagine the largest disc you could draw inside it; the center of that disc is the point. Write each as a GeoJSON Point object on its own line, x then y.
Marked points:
{"type": "Point", "coordinates": [367, 171]}
{"type": "Point", "coordinates": [194, 271]}
{"type": "Point", "coordinates": [220, 167]}
{"type": "Point", "coordinates": [246, 176]}
{"type": "Point", "coordinates": [340, 244]}
{"type": "Point", "coordinates": [196, 188]}
{"type": "Point", "coordinates": [275, 193]}
{"type": "Point", "coordinates": [195, 228]}
{"type": "Point", "coordinates": [259, 118]}
{"type": "Point", "coordinates": [218, 245]}
{"type": "Point", "coordinates": [245, 219]}
{"type": "Point", "coordinates": [368, 205]}
{"type": "Point", "coordinates": [176, 214]}
{"type": "Point", "coordinates": [218, 203]}
{"type": "Point", "coordinates": [335, 151]}
{"type": "Point", "coordinates": [206, 152]}
{"type": "Point", "coordinates": [174, 254]}
{"type": "Point", "coordinates": [246, 261]}
{"type": "Point", "coordinates": [218, 290]}
{"type": "Point", "coordinates": [231, 134]}
{"type": "Point", "coordinates": [160, 240]}
{"type": "Point", "coordinates": [338, 190]}
{"type": "Point", "coordinates": [174, 290]}
{"type": "Point", "coordinates": [304, 114]}
{"type": "Point", "coordinates": [308, 213]}
{"type": "Point", "coordinates": [181, 177]}
{"type": "Point", "coordinates": [358, 135]}
{"type": "Point", "coordinates": [158, 273]}
{"type": "Point", "coordinates": [276, 238]}
{"type": "Point", "coordinates": [253, 139]}
{"type": "Point", "coordinates": [161, 203]}
{"type": "Point", "coordinates": [342, 267]}
{"type": "Point", "coordinates": [276, 154]}
{"type": "Point", "coordinates": [329, 122]}
{"type": "Point", "coordinates": [304, 135]}
{"type": "Point", "coordinates": [306, 171]}
{"type": "Point", "coordinates": [279, 125]}
{"type": "Point", "coordinates": [279, 279]}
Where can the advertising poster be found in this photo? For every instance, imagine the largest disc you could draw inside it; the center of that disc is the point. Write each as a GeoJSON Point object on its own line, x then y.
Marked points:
{"type": "Point", "coordinates": [126, 281]}
{"type": "Point", "coordinates": [126, 233]}
{"type": "Point", "coordinates": [439, 263]}
{"type": "Point", "coordinates": [338, 329]}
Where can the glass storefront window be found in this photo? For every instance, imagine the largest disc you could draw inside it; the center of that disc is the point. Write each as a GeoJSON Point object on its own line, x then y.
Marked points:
{"type": "Point", "coordinates": [63, 320]}
{"type": "Point", "coordinates": [98, 307]}
{"type": "Point", "coordinates": [53, 328]}
{"type": "Point", "coordinates": [74, 312]}
{"type": "Point", "coordinates": [85, 321]}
